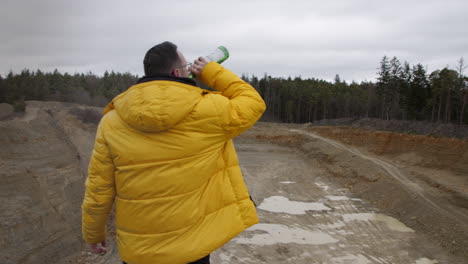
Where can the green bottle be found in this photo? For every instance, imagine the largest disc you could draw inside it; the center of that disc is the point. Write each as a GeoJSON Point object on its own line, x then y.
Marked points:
{"type": "Point", "coordinates": [218, 55]}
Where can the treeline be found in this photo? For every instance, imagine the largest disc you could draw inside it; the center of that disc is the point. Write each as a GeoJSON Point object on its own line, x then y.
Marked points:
{"type": "Point", "coordinates": [88, 89]}
{"type": "Point", "coordinates": [402, 92]}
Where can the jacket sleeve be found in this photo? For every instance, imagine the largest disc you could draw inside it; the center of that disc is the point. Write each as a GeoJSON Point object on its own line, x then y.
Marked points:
{"type": "Point", "coordinates": [243, 107]}
{"type": "Point", "coordinates": [100, 191]}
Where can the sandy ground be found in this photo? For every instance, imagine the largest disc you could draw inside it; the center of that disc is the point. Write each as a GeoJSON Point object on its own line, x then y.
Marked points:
{"type": "Point", "coordinates": [324, 195]}
{"type": "Point", "coordinates": [312, 212]}
{"type": "Point", "coordinates": [309, 217]}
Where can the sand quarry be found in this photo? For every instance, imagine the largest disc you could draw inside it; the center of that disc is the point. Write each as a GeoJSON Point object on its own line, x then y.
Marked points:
{"type": "Point", "coordinates": [324, 194]}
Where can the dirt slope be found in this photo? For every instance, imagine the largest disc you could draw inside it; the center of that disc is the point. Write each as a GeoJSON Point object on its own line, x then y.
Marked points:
{"type": "Point", "coordinates": [432, 198]}
{"type": "Point", "coordinates": [43, 160]}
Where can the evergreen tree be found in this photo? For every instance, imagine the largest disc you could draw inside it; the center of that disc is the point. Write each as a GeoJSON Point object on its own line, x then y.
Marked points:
{"type": "Point", "coordinates": [406, 91]}
{"type": "Point", "coordinates": [384, 89]}
{"type": "Point", "coordinates": [402, 91]}
{"type": "Point", "coordinates": [420, 95]}
{"type": "Point", "coordinates": [462, 89]}
{"type": "Point", "coordinates": [41, 86]}
{"type": "Point", "coordinates": [2, 90]}
{"type": "Point", "coordinates": [396, 84]}
{"type": "Point", "coordinates": [443, 84]}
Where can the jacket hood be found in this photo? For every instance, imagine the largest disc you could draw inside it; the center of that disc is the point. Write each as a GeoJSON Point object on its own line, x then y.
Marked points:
{"type": "Point", "coordinates": [155, 106]}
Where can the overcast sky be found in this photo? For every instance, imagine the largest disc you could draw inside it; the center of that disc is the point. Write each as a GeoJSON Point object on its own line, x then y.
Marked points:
{"type": "Point", "coordinates": [305, 38]}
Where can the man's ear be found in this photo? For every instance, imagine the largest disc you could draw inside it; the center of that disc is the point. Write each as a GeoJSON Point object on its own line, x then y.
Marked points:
{"type": "Point", "coordinates": [176, 73]}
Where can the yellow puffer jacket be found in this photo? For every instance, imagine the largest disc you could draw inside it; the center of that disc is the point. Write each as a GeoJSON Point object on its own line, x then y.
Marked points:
{"type": "Point", "coordinates": [163, 151]}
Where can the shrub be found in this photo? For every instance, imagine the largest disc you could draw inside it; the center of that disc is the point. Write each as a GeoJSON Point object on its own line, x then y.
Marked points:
{"type": "Point", "coordinates": [86, 115]}
{"type": "Point", "coordinates": [19, 106]}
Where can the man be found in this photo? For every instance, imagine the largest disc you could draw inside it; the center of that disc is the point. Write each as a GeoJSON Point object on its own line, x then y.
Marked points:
{"type": "Point", "coordinates": [164, 152]}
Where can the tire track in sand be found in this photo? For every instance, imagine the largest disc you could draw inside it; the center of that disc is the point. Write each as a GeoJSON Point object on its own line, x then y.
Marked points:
{"type": "Point", "coordinates": [391, 169]}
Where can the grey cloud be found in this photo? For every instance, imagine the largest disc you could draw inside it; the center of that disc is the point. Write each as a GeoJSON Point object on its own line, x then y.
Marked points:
{"type": "Point", "coordinates": [283, 38]}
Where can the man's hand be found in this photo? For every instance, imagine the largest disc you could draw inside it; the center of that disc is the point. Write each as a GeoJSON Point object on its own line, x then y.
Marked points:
{"type": "Point", "coordinates": [198, 66]}
{"type": "Point", "coordinates": [99, 248]}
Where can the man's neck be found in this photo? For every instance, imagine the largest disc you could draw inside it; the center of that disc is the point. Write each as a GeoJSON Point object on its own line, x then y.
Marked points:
{"type": "Point", "coordinates": [167, 77]}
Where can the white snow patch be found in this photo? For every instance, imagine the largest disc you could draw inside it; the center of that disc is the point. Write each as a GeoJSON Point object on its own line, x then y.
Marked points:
{"type": "Point", "coordinates": [287, 182]}
{"type": "Point", "coordinates": [391, 222]}
{"type": "Point", "coordinates": [337, 198]}
{"type": "Point", "coordinates": [280, 204]}
{"type": "Point", "coordinates": [426, 261]}
{"type": "Point", "coordinates": [323, 186]}
{"type": "Point", "coordinates": [226, 258]}
{"type": "Point", "coordinates": [351, 259]}
{"type": "Point", "coordinates": [276, 234]}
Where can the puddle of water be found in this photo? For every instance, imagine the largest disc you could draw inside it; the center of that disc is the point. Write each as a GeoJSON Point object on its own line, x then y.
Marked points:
{"type": "Point", "coordinates": [391, 222]}
{"type": "Point", "coordinates": [351, 259]}
{"type": "Point", "coordinates": [280, 204]}
{"type": "Point", "coordinates": [276, 234]}
{"type": "Point", "coordinates": [337, 198]}
{"type": "Point", "coordinates": [426, 261]}
{"type": "Point", "coordinates": [287, 182]}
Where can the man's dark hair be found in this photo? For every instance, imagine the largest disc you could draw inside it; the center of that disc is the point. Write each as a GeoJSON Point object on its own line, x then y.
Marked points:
{"type": "Point", "coordinates": [162, 58]}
